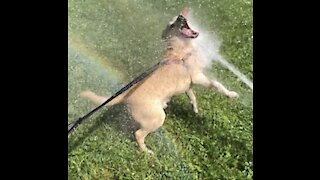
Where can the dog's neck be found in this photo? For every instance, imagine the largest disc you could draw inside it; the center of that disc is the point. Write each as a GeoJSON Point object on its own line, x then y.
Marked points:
{"type": "Point", "coordinates": [178, 48]}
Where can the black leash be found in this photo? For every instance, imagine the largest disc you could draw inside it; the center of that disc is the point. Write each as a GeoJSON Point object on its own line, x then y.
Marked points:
{"type": "Point", "coordinates": [78, 121]}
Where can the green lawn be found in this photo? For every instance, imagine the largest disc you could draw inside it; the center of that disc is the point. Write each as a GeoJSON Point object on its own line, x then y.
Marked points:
{"type": "Point", "coordinates": [112, 41]}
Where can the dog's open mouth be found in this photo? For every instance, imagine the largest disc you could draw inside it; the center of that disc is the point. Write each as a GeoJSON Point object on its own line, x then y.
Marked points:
{"type": "Point", "coordinates": [186, 31]}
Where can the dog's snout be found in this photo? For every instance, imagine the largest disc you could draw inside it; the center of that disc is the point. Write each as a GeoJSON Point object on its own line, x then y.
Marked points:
{"type": "Point", "coordinates": [195, 34]}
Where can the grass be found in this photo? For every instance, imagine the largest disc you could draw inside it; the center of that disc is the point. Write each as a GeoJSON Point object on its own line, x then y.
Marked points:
{"type": "Point", "coordinates": [111, 42]}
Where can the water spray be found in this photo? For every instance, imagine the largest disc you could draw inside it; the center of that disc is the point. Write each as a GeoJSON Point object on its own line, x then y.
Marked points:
{"type": "Point", "coordinates": [208, 45]}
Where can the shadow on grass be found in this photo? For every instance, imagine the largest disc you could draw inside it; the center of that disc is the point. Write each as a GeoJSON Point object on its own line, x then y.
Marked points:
{"type": "Point", "coordinates": [116, 117]}
{"type": "Point", "coordinates": [183, 110]}
{"type": "Point", "coordinates": [119, 119]}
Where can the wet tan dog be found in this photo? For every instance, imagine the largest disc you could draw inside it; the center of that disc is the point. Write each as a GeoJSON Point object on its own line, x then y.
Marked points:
{"type": "Point", "coordinates": [180, 69]}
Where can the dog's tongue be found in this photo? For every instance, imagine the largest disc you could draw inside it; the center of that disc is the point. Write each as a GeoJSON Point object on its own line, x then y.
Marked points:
{"type": "Point", "coordinates": [187, 32]}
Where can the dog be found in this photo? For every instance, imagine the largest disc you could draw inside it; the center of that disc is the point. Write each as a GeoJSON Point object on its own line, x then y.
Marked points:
{"type": "Point", "coordinates": [180, 70]}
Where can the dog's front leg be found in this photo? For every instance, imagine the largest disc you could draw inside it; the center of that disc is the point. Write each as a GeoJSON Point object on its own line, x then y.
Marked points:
{"type": "Point", "coordinates": [192, 99]}
{"type": "Point", "coordinates": [201, 79]}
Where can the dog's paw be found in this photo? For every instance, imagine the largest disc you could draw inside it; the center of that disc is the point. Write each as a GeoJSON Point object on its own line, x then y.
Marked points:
{"type": "Point", "coordinates": [195, 109]}
{"type": "Point", "coordinates": [233, 94]}
{"type": "Point", "coordinates": [148, 151]}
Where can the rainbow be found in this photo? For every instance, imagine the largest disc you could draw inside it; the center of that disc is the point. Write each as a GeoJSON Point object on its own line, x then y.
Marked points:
{"type": "Point", "coordinates": [75, 44]}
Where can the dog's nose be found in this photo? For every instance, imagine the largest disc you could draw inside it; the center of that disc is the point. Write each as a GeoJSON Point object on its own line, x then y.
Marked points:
{"type": "Point", "coordinates": [195, 34]}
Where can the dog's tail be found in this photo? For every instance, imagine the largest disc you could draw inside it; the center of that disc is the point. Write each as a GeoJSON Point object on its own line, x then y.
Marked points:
{"type": "Point", "coordinates": [98, 100]}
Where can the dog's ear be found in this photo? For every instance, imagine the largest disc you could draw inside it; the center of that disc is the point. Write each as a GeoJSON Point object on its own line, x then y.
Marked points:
{"type": "Point", "coordinates": [185, 12]}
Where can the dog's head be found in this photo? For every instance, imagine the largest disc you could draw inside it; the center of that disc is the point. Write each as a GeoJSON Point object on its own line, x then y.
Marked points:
{"type": "Point", "coordinates": [179, 27]}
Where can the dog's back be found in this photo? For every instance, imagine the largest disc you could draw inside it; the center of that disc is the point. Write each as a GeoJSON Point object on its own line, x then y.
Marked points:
{"type": "Point", "coordinates": [170, 79]}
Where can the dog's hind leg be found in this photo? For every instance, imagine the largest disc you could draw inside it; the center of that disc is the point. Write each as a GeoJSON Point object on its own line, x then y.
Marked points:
{"type": "Point", "coordinates": [150, 119]}
{"type": "Point", "coordinates": [140, 135]}
{"type": "Point", "coordinates": [201, 79]}
{"type": "Point", "coordinates": [192, 99]}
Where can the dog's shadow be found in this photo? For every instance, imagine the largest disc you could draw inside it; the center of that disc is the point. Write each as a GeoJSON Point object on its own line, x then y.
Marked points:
{"type": "Point", "coordinates": [116, 117]}
{"type": "Point", "coordinates": [119, 119]}
{"type": "Point", "coordinates": [183, 110]}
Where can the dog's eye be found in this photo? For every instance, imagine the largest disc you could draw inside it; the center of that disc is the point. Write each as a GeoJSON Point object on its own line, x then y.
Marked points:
{"type": "Point", "coordinates": [171, 23]}
{"type": "Point", "coordinates": [173, 19]}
